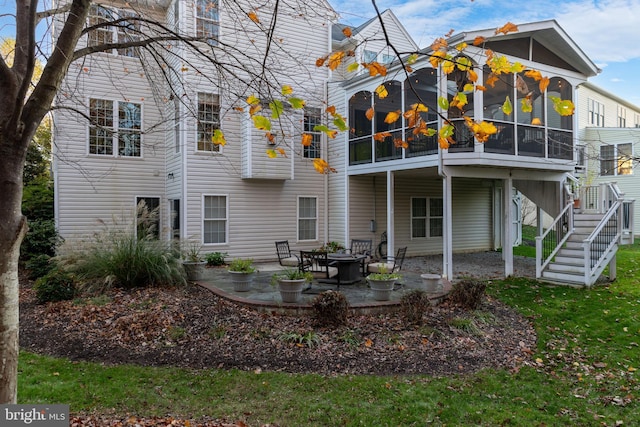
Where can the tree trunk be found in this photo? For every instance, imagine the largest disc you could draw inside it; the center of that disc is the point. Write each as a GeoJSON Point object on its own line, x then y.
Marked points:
{"type": "Point", "coordinates": [12, 230]}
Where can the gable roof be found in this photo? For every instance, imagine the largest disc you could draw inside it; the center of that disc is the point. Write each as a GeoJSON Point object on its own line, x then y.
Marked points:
{"type": "Point", "coordinates": [552, 44]}
{"type": "Point", "coordinates": [387, 16]}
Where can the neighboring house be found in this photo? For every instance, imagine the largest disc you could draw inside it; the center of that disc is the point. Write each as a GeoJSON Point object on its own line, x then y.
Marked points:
{"type": "Point", "coordinates": [610, 134]}
{"type": "Point", "coordinates": [153, 142]}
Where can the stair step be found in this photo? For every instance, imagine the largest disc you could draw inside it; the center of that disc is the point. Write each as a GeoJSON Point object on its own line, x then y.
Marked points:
{"type": "Point", "coordinates": [571, 260]}
{"type": "Point", "coordinates": [564, 277]}
{"type": "Point", "coordinates": [570, 252]}
{"type": "Point", "coordinates": [566, 268]}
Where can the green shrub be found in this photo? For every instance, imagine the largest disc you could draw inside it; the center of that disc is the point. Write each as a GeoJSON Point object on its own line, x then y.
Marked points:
{"type": "Point", "coordinates": [468, 294]}
{"type": "Point", "coordinates": [215, 259]}
{"type": "Point", "coordinates": [57, 285]}
{"type": "Point", "coordinates": [41, 239]}
{"type": "Point", "coordinates": [330, 308]}
{"type": "Point", "coordinates": [122, 260]}
{"type": "Point", "coordinates": [413, 306]}
{"type": "Point", "coordinates": [40, 265]}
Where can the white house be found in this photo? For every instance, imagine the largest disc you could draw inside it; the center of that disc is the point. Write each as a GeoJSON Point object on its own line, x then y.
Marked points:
{"type": "Point", "coordinates": [150, 138]}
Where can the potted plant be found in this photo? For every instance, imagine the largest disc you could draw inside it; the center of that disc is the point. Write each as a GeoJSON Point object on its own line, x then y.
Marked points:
{"type": "Point", "coordinates": [290, 283]}
{"type": "Point", "coordinates": [382, 284]}
{"type": "Point", "coordinates": [192, 262]}
{"type": "Point", "coordinates": [242, 272]}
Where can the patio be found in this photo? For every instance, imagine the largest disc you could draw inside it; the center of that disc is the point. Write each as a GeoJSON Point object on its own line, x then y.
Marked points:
{"type": "Point", "coordinates": [264, 296]}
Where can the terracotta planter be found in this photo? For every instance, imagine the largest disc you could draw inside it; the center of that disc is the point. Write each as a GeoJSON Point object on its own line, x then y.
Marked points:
{"type": "Point", "coordinates": [432, 283]}
{"type": "Point", "coordinates": [382, 289]}
{"type": "Point", "coordinates": [291, 290]}
{"type": "Point", "coordinates": [241, 280]}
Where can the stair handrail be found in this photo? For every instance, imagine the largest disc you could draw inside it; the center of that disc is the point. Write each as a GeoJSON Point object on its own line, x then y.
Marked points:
{"type": "Point", "coordinates": [612, 199]}
{"type": "Point", "coordinates": [562, 225]}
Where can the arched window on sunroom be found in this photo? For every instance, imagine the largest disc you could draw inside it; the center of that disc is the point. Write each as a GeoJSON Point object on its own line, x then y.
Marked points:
{"type": "Point", "coordinates": [422, 88]}
{"type": "Point", "coordinates": [360, 128]}
{"type": "Point", "coordinates": [386, 148]}
{"type": "Point", "coordinates": [457, 81]}
{"type": "Point", "coordinates": [560, 128]}
{"type": "Point", "coordinates": [498, 88]}
{"type": "Point", "coordinates": [530, 114]}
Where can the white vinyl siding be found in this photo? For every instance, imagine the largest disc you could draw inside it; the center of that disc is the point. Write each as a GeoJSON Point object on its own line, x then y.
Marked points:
{"type": "Point", "coordinates": [215, 219]}
{"type": "Point", "coordinates": [105, 129]}
{"type": "Point", "coordinates": [307, 218]}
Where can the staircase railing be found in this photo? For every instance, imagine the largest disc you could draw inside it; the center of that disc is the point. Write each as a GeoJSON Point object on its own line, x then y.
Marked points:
{"type": "Point", "coordinates": [550, 242]}
{"type": "Point", "coordinates": [604, 239]}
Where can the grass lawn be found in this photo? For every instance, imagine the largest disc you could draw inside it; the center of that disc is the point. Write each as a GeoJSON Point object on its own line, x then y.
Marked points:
{"type": "Point", "coordinates": [582, 373]}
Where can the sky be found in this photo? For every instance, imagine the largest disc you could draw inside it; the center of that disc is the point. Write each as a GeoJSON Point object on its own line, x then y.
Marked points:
{"type": "Point", "coordinates": [607, 31]}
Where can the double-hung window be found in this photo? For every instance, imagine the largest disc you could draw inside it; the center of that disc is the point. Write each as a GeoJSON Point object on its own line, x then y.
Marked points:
{"type": "Point", "coordinates": [622, 117]}
{"type": "Point", "coordinates": [215, 219]}
{"type": "Point", "coordinates": [207, 20]}
{"type": "Point", "coordinates": [125, 28]}
{"type": "Point", "coordinates": [307, 218]}
{"type": "Point", "coordinates": [208, 121]}
{"type": "Point", "coordinates": [107, 130]}
{"type": "Point", "coordinates": [312, 118]}
{"type": "Point", "coordinates": [596, 113]}
{"type": "Point", "coordinates": [616, 159]}
{"type": "Point", "coordinates": [426, 217]}
{"type": "Point", "coordinates": [148, 217]}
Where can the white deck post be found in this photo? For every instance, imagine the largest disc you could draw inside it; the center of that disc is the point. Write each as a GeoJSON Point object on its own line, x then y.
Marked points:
{"type": "Point", "coordinates": [391, 251]}
{"type": "Point", "coordinates": [447, 240]}
{"type": "Point", "coordinates": [507, 227]}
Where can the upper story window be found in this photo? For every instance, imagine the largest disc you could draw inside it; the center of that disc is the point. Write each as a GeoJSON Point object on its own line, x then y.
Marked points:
{"type": "Point", "coordinates": [312, 118]}
{"type": "Point", "coordinates": [636, 120]}
{"type": "Point", "coordinates": [106, 129]}
{"type": "Point", "coordinates": [208, 121]}
{"type": "Point", "coordinates": [369, 56]}
{"type": "Point", "coordinates": [207, 20]}
{"type": "Point", "coordinates": [596, 113]}
{"type": "Point", "coordinates": [622, 117]}
{"type": "Point", "coordinates": [124, 31]}
{"type": "Point", "coordinates": [616, 159]}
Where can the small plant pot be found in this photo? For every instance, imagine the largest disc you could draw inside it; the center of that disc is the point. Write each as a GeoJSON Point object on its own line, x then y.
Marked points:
{"type": "Point", "coordinates": [432, 283]}
{"type": "Point", "coordinates": [382, 289]}
{"type": "Point", "coordinates": [291, 290]}
{"type": "Point", "coordinates": [194, 270]}
{"type": "Point", "coordinates": [241, 280]}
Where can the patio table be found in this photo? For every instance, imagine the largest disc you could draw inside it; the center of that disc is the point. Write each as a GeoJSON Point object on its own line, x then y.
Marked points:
{"type": "Point", "coordinates": [348, 267]}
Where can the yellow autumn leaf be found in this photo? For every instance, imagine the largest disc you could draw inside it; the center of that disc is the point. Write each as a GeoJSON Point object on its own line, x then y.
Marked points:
{"type": "Point", "coordinates": [525, 105]}
{"type": "Point", "coordinates": [411, 59]}
{"type": "Point", "coordinates": [321, 166]}
{"type": "Point", "coordinates": [254, 17]}
{"type": "Point", "coordinates": [335, 59]}
{"type": "Point", "coordinates": [353, 67]}
{"type": "Point", "coordinates": [307, 139]}
{"type": "Point", "coordinates": [286, 90]}
{"type": "Point", "coordinates": [272, 154]}
{"type": "Point", "coordinates": [461, 46]}
{"type": "Point", "coordinates": [420, 108]}
{"type": "Point", "coordinates": [392, 116]}
{"type": "Point", "coordinates": [499, 65]}
{"type": "Point", "coordinates": [296, 103]}
{"type": "Point", "coordinates": [562, 107]}
{"type": "Point", "coordinates": [464, 63]}
{"type": "Point", "coordinates": [507, 108]}
{"type": "Point", "coordinates": [253, 100]}
{"type": "Point", "coordinates": [261, 123]}
{"type": "Point", "coordinates": [631, 369]}
{"type": "Point", "coordinates": [448, 66]}
{"type": "Point", "coordinates": [516, 67]}
{"type": "Point", "coordinates": [536, 121]}
{"type": "Point", "coordinates": [436, 58]}
{"type": "Point", "coordinates": [382, 91]}
{"type": "Point", "coordinates": [468, 87]}
{"type": "Point", "coordinates": [218, 138]}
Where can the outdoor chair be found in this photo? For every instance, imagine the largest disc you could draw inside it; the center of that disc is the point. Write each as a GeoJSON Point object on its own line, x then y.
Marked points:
{"type": "Point", "coordinates": [318, 264]}
{"type": "Point", "coordinates": [285, 257]}
{"type": "Point", "coordinates": [390, 264]}
{"type": "Point", "coordinates": [362, 247]}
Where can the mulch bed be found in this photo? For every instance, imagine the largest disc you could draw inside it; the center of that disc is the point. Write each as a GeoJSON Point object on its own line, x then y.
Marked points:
{"type": "Point", "coordinates": [191, 327]}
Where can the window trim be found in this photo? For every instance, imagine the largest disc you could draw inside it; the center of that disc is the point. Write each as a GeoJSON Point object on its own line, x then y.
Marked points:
{"type": "Point", "coordinates": [115, 140]}
{"type": "Point", "coordinates": [298, 218]}
{"type": "Point", "coordinates": [213, 41]}
{"type": "Point", "coordinates": [427, 218]}
{"type": "Point", "coordinates": [226, 219]}
{"type": "Point", "coordinates": [215, 148]}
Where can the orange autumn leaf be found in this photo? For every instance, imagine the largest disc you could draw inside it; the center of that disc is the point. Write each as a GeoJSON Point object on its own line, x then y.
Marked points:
{"type": "Point", "coordinates": [306, 139]}
{"type": "Point", "coordinates": [482, 131]}
{"type": "Point", "coordinates": [480, 87]}
{"type": "Point", "coordinates": [478, 40]}
{"type": "Point", "coordinates": [281, 151]}
{"type": "Point", "coordinates": [472, 75]}
{"type": "Point", "coordinates": [254, 17]}
{"type": "Point", "coordinates": [369, 113]}
{"type": "Point", "coordinates": [507, 28]}
{"type": "Point", "coordinates": [544, 83]}
{"type": "Point", "coordinates": [270, 137]}
{"type": "Point", "coordinates": [368, 342]}
{"type": "Point", "coordinates": [436, 58]}
{"type": "Point", "coordinates": [399, 143]}
{"type": "Point", "coordinates": [392, 116]}
{"type": "Point", "coordinates": [320, 61]}
{"type": "Point", "coordinates": [439, 44]}
{"type": "Point", "coordinates": [491, 80]}
{"type": "Point", "coordinates": [335, 59]}
{"type": "Point", "coordinates": [347, 32]}
{"type": "Point", "coordinates": [380, 136]}
{"type": "Point", "coordinates": [443, 142]}
{"type": "Point", "coordinates": [321, 166]}
{"type": "Point", "coordinates": [375, 68]}
{"type": "Point", "coordinates": [534, 74]}
{"type": "Point", "coordinates": [331, 109]}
